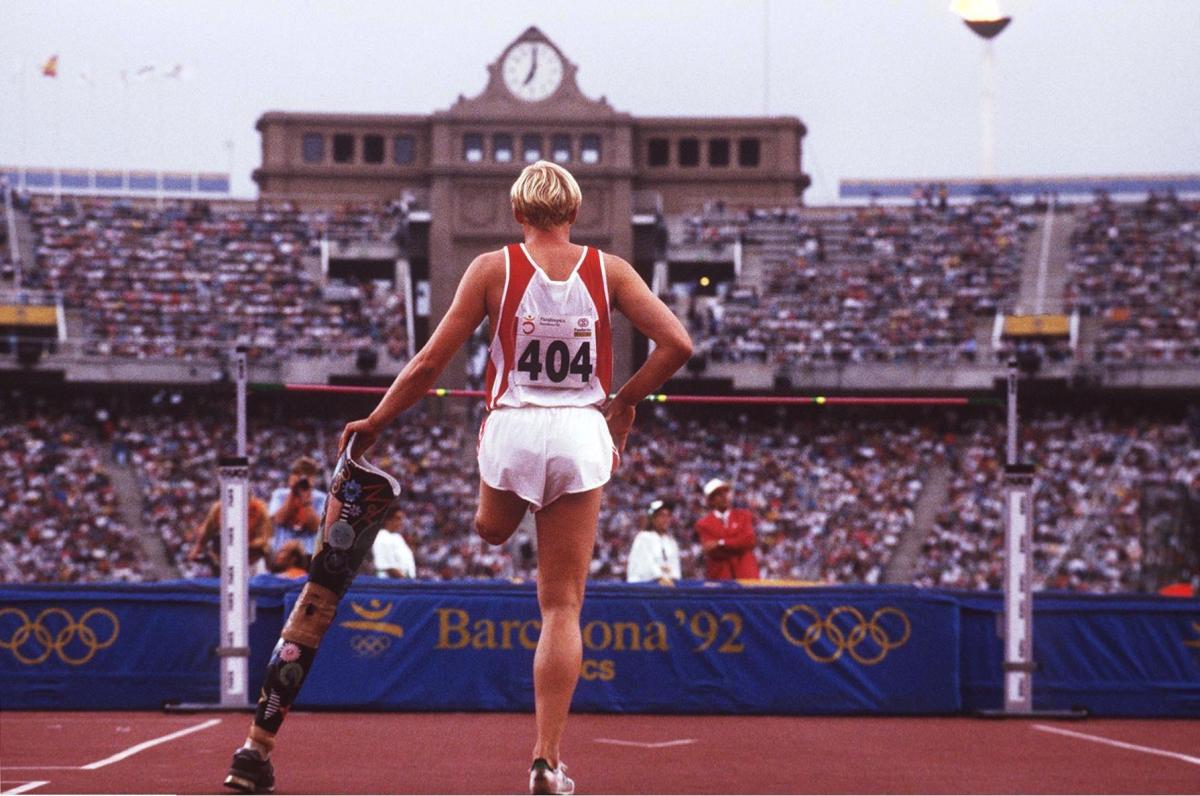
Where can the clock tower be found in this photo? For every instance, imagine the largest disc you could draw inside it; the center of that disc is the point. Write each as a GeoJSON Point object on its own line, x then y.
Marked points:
{"type": "Point", "coordinates": [454, 169]}
{"type": "Point", "coordinates": [531, 109]}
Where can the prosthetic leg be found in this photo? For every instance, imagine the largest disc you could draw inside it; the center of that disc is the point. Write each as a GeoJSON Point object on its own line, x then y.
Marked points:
{"type": "Point", "coordinates": [359, 497]}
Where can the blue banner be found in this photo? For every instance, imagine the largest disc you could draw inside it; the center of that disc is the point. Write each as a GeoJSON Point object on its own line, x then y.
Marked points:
{"type": "Point", "coordinates": [646, 649]}
{"type": "Point", "coordinates": [1116, 655]}
{"type": "Point", "coordinates": [117, 646]}
{"type": "Point", "coordinates": [695, 648]}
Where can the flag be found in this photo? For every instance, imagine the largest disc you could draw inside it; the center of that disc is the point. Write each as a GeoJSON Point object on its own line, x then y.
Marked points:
{"type": "Point", "coordinates": [50, 68]}
{"type": "Point", "coordinates": [180, 72]}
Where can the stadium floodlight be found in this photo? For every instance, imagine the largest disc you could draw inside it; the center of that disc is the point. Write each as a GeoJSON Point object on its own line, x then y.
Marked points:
{"type": "Point", "coordinates": [984, 19]}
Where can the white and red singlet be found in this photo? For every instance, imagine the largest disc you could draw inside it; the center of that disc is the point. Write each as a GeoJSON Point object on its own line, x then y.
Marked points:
{"type": "Point", "coordinates": [549, 371]}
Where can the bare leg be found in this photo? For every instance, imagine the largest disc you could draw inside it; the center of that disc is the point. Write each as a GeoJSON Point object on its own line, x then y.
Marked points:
{"type": "Point", "coordinates": [499, 513]}
{"type": "Point", "coordinates": [566, 536]}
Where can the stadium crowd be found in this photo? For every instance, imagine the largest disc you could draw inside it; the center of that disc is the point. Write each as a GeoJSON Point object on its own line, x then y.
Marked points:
{"type": "Point", "coordinates": [59, 517]}
{"type": "Point", "coordinates": [178, 280]}
{"type": "Point", "coordinates": [832, 499]}
{"type": "Point", "coordinates": [1090, 520]}
{"type": "Point", "coordinates": [1136, 266]}
{"type": "Point", "coordinates": [831, 495]}
{"type": "Point", "coordinates": [864, 285]}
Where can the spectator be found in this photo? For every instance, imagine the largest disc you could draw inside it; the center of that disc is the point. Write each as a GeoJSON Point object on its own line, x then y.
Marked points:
{"type": "Point", "coordinates": [655, 553]}
{"type": "Point", "coordinates": [393, 558]}
{"type": "Point", "coordinates": [296, 509]}
{"type": "Point", "coordinates": [206, 547]}
{"type": "Point", "coordinates": [726, 536]}
{"type": "Point", "coordinates": [291, 561]}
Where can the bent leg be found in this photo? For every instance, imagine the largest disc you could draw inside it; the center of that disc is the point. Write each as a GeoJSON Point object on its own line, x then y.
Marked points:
{"type": "Point", "coordinates": [499, 513]}
{"type": "Point", "coordinates": [566, 532]}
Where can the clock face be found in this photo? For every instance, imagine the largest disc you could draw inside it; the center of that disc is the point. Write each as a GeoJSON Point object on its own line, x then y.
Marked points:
{"type": "Point", "coordinates": [532, 71]}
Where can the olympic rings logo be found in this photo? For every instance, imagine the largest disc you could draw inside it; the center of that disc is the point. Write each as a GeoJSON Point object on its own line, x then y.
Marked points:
{"type": "Point", "coordinates": [55, 631]}
{"type": "Point", "coordinates": [369, 646]}
{"type": "Point", "coordinates": [846, 630]}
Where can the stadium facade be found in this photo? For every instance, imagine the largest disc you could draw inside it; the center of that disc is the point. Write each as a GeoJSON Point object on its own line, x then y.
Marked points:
{"type": "Point", "coordinates": [459, 164]}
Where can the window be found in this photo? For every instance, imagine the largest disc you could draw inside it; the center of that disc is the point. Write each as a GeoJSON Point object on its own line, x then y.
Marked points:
{"type": "Point", "coordinates": [748, 152]}
{"type": "Point", "coordinates": [658, 152]}
{"type": "Point", "coordinates": [560, 148]}
{"type": "Point", "coordinates": [313, 147]}
{"type": "Point", "coordinates": [589, 148]}
{"type": "Point", "coordinates": [403, 150]}
{"type": "Point", "coordinates": [718, 151]}
{"type": "Point", "coordinates": [373, 148]}
{"type": "Point", "coordinates": [689, 152]}
{"type": "Point", "coordinates": [343, 148]}
{"type": "Point", "coordinates": [502, 147]}
{"type": "Point", "coordinates": [531, 148]}
{"type": "Point", "coordinates": [472, 147]}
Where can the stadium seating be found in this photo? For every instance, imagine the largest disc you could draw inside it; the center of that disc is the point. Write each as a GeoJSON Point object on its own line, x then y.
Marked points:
{"type": "Point", "coordinates": [176, 281]}
{"type": "Point", "coordinates": [871, 284]}
{"type": "Point", "coordinates": [1136, 267]}
{"type": "Point", "coordinates": [1092, 521]}
{"type": "Point", "coordinates": [833, 494]}
{"type": "Point", "coordinates": [58, 511]}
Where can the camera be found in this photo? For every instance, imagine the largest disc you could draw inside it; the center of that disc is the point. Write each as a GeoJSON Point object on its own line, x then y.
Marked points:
{"type": "Point", "coordinates": [303, 485]}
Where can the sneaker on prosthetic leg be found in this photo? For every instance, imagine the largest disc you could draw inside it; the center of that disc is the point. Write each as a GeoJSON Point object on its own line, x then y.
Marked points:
{"type": "Point", "coordinates": [544, 779]}
{"type": "Point", "coordinates": [250, 772]}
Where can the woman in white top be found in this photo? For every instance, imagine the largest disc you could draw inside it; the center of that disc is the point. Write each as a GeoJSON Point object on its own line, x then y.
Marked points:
{"type": "Point", "coordinates": [655, 553]}
{"type": "Point", "coordinates": [552, 436]}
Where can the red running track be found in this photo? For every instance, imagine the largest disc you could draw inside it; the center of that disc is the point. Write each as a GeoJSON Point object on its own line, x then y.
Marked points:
{"type": "Point", "coordinates": [487, 753]}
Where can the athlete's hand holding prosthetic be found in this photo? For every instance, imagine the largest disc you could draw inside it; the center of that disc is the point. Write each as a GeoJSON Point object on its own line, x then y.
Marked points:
{"type": "Point", "coordinates": [367, 431]}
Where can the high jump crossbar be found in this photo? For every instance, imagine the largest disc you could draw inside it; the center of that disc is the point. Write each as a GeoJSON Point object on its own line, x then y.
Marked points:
{"type": "Point", "coordinates": [754, 400]}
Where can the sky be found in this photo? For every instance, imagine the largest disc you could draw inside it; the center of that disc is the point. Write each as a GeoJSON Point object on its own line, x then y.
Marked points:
{"type": "Point", "coordinates": [887, 88]}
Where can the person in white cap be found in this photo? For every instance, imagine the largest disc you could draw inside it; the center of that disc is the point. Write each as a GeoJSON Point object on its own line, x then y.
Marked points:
{"type": "Point", "coordinates": [726, 536]}
{"type": "Point", "coordinates": [655, 553]}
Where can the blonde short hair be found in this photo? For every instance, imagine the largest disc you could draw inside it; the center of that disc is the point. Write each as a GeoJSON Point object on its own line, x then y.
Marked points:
{"type": "Point", "coordinates": [546, 195]}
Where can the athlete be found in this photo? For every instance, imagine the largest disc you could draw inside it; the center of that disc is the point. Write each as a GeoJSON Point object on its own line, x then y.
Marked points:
{"type": "Point", "coordinates": [552, 436]}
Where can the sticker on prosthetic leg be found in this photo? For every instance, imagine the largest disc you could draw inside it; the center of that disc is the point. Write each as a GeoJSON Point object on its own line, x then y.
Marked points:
{"type": "Point", "coordinates": [359, 497]}
{"type": "Point", "coordinates": [311, 616]}
{"type": "Point", "coordinates": [286, 670]}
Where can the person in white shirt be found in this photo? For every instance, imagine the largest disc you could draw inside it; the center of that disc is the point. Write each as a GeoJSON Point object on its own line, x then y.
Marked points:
{"type": "Point", "coordinates": [393, 558]}
{"type": "Point", "coordinates": [655, 553]}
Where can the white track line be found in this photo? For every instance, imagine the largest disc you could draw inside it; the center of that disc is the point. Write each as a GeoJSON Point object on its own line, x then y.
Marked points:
{"type": "Point", "coordinates": [144, 745]}
{"type": "Point", "coordinates": [1150, 750]}
{"type": "Point", "coordinates": [119, 756]}
{"type": "Point", "coordinates": [28, 786]}
{"type": "Point", "coordinates": [646, 744]}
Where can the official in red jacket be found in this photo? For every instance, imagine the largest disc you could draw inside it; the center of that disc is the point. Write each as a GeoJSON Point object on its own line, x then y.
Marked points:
{"type": "Point", "coordinates": [726, 536]}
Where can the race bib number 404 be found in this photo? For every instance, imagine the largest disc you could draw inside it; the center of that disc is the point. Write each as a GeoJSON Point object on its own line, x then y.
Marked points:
{"type": "Point", "coordinates": [555, 352]}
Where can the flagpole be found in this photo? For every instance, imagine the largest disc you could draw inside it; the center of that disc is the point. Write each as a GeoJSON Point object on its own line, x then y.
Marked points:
{"type": "Point", "coordinates": [56, 126]}
{"type": "Point", "coordinates": [24, 123]}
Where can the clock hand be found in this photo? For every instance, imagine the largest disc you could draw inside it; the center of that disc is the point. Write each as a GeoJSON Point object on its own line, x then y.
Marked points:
{"type": "Point", "coordinates": [532, 68]}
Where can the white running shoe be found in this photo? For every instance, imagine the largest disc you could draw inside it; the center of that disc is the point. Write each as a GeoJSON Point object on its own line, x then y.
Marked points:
{"type": "Point", "coordinates": [544, 779]}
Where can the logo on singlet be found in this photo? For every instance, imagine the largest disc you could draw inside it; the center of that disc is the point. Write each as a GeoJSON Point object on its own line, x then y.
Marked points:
{"type": "Point", "coordinates": [527, 325]}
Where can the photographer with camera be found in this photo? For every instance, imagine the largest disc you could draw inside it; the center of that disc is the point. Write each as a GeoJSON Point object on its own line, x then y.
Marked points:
{"type": "Point", "coordinates": [206, 538]}
{"type": "Point", "coordinates": [296, 509]}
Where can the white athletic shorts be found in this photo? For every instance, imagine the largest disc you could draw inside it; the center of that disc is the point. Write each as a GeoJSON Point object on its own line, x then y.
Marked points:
{"type": "Point", "coordinates": [544, 452]}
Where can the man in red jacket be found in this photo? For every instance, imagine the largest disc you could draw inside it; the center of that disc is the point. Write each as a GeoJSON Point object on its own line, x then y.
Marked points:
{"type": "Point", "coordinates": [726, 536]}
